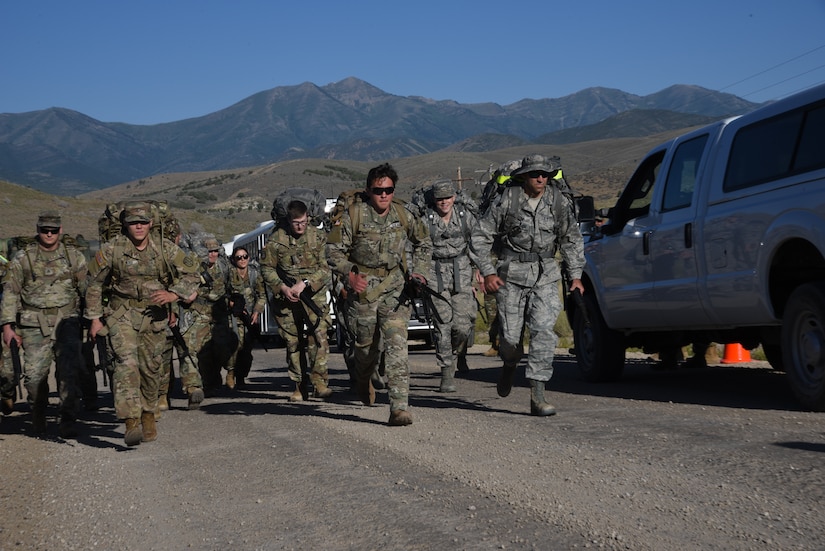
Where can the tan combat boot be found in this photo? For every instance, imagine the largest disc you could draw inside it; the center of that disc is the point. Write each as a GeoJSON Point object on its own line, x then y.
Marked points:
{"type": "Point", "coordinates": [195, 397]}
{"type": "Point", "coordinates": [297, 395]}
{"type": "Point", "coordinates": [230, 379]}
{"type": "Point", "coordinates": [163, 403]}
{"type": "Point", "coordinates": [134, 434]}
{"type": "Point", "coordinates": [150, 429]}
{"type": "Point", "coordinates": [7, 406]}
{"type": "Point", "coordinates": [321, 389]}
{"type": "Point", "coordinates": [400, 418]}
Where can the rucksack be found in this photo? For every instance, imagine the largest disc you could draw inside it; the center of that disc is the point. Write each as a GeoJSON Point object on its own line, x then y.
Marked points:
{"type": "Point", "coordinates": [493, 189]}
{"type": "Point", "coordinates": [164, 223]}
{"type": "Point", "coordinates": [312, 198]}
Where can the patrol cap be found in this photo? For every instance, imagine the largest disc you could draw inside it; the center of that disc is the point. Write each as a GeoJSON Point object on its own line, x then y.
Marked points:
{"type": "Point", "coordinates": [537, 163]}
{"type": "Point", "coordinates": [443, 189]}
{"type": "Point", "coordinates": [48, 219]}
{"type": "Point", "coordinates": [211, 244]}
{"type": "Point", "coordinates": [136, 211]}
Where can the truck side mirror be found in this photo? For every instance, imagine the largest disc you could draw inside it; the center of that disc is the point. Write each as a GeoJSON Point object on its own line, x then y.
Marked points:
{"type": "Point", "coordinates": [585, 214]}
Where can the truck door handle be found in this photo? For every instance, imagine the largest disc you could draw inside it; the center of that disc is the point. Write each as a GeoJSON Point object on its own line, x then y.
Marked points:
{"type": "Point", "coordinates": [688, 235]}
{"type": "Point", "coordinates": [646, 242]}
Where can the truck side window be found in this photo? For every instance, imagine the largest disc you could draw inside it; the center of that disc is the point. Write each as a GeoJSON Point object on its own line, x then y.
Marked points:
{"type": "Point", "coordinates": [637, 195]}
{"type": "Point", "coordinates": [681, 177]}
{"type": "Point", "coordinates": [811, 154]}
{"type": "Point", "coordinates": [763, 151]}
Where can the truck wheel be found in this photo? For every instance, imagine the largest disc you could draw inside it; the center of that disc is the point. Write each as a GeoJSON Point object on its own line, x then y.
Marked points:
{"type": "Point", "coordinates": [599, 349]}
{"type": "Point", "coordinates": [803, 344]}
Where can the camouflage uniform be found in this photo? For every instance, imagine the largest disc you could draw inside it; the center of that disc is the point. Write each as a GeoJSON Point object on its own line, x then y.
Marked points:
{"type": "Point", "coordinates": [209, 337]}
{"type": "Point", "coordinates": [137, 327]}
{"type": "Point", "coordinates": [41, 300]}
{"type": "Point", "coordinates": [529, 240]}
{"type": "Point", "coordinates": [301, 258]}
{"type": "Point", "coordinates": [376, 315]}
{"type": "Point", "coordinates": [452, 272]}
{"type": "Point", "coordinates": [252, 289]}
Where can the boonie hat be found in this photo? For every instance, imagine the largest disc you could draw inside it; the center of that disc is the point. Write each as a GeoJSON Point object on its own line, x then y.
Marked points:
{"type": "Point", "coordinates": [137, 211]}
{"type": "Point", "coordinates": [443, 189]}
{"type": "Point", "coordinates": [537, 162]}
{"type": "Point", "coordinates": [48, 219]}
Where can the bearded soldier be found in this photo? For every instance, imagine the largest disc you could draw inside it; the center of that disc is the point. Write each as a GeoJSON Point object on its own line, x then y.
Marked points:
{"type": "Point", "coordinates": [40, 312]}
{"type": "Point", "coordinates": [142, 275]}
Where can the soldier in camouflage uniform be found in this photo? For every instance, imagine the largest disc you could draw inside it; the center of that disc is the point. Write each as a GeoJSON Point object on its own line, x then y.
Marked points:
{"type": "Point", "coordinates": [209, 337]}
{"type": "Point", "coordinates": [142, 275]}
{"type": "Point", "coordinates": [498, 182]}
{"type": "Point", "coordinates": [190, 376]}
{"type": "Point", "coordinates": [452, 270]}
{"type": "Point", "coordinates": [247, 300]}
{"type": "Point", "coordinates": [297, 254]}
{"type": "Point", "coordinates": [368, 250]}
{"type": "Point", "coordinates": [40, 310]}
{"type": "Point", "coordinates": [532, 220]}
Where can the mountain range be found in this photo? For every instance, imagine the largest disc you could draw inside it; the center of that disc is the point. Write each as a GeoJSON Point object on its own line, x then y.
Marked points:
{"type": "Point", "coordinates": [68, 153]}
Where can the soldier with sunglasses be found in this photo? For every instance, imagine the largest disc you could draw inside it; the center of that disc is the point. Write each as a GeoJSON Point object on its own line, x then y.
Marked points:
{"type": "Point", "coordinates": [40, 312]}
{"type": "Point", "coordinates": [371, 258]}
{"type": "Point", "coordinates": [531, 221]}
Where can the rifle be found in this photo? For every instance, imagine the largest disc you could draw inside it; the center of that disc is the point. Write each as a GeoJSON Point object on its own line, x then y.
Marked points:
{"type": "Point", "coordinates": [239, 310]}
{"type": "Point", "coordinates": [102, 353]}
{"type": "Point", "coordinates": [480, 307]}
{"type": "Point", "coordinates": [183, 352]}
{"type": "Point", "coordinates": [577, 298]}
{"type": "Point", "coordinates": [18, 367]}
{"type": "Point", "coordinates": [306, 298]}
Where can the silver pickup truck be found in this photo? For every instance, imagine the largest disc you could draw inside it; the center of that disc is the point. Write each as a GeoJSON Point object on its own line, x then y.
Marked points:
{"type": "Point", "coordinates": [719, 236]}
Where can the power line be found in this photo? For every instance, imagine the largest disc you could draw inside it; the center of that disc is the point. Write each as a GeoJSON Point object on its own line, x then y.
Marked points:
{"type": "Point", "coordinates": [776, 67]}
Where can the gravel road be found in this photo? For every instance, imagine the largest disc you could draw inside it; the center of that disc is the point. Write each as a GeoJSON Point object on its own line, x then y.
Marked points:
{"type": "Point", "coordinates": [717, 458]}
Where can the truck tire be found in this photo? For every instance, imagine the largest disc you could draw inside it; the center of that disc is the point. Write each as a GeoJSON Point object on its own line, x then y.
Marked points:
{"type": "Point", "coordinates": [599, 349]}
{"type": "Point", "coordinates": [803, 344]}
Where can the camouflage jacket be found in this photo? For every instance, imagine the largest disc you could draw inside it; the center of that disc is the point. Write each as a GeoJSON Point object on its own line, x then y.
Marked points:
{"type": "Point", "coordinates": [300, 258]}
{"type": "Point", "coordinates": [451, 258]}
{"type": "Point", "coordinates": [129, 276]}
{"type": "Point", "coordinates": [38, 280]}
{"type": "Point", "coordinates": [251, 287]}
{"type": "Point", "coordinates": [529, 239]}
{"type": "Point", "coordinates": [380, 248]}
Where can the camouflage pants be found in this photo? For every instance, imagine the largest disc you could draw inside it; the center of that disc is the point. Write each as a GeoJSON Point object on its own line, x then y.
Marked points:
{"type": "Point", "coordinates": [37, 354]}
{"type": "Point", "coordinates": [379, 325]}
{"type": "Point", "coordinates": [491, 310]}
{"type": "Point", "coordinates": [453, 332]}
{"type": "Point", "coordinates": [291, 318]}
{"type": "Point", "coordinates": [138, 343]}
{"type": "Point", "coordinates": [537, 308]}
{"type": "Point", "coordinates": [210, 343]}
{"type": "Point", "coordinates": [241, 359]}
{"type": "Point", "coordinates": [190, 377]}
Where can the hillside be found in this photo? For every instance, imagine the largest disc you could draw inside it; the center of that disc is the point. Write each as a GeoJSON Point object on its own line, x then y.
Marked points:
{"type": "Point", "coordinates": [228, 202]}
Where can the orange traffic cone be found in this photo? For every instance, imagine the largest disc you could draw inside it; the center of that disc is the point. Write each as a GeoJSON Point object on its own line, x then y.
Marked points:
{"type": "Point", "coordinates": [736, 354]}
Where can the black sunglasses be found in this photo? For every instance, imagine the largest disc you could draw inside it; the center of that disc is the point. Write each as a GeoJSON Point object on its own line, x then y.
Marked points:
{"type": "Point", "coordinates": [49, 230]}
{"type": "Point", "coordinates": [538, 174]}
{"type": "Point", "coordinates": [242, 257]}
{"type": "Point", "coordinates": [383, 190]}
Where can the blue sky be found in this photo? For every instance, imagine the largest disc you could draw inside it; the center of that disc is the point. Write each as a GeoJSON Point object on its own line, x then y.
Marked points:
{"type": "Point", "coordinates": [158, 61]}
